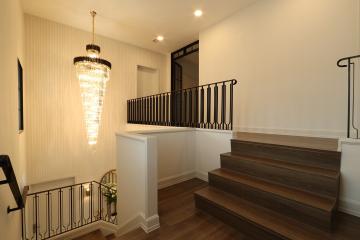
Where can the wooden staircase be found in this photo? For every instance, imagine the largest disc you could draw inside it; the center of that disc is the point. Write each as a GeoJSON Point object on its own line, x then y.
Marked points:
{"type": "Point", "coordinates": [275, 186]}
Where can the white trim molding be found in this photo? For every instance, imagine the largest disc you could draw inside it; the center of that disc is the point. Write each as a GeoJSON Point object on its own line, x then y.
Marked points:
{"type": "Point", "coordinates": [172, 180]}
{"type": "Point", "coordinates": [293, 131]}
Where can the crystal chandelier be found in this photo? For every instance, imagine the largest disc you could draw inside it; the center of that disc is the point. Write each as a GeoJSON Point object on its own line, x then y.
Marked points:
{"type": "Point", "coordinates": [93, 73]}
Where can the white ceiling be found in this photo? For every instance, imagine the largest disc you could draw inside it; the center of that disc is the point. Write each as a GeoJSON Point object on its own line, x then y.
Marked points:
{"type": "Point", "coordinates": [138, 22]}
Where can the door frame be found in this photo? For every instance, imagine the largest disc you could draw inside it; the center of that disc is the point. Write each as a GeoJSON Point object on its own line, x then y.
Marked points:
{"type": "Point", "coordinates": [182, 52]}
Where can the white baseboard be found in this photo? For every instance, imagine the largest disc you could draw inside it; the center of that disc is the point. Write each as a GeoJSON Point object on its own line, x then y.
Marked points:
{"type": "Point", "coordinates": [349, 206]}
{"type": "Point", "coordinates": [150, 224]}
{"type": "Point", "coordinates": [172, 180]}
{"type": "Point", "coordinates": [296, 132]}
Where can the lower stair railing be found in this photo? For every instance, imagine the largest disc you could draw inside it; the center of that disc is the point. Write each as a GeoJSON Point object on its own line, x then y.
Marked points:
{"type": "Point", "coordinates": [56, 211]}
{"type": "Point", "coordinates": [352, 65]}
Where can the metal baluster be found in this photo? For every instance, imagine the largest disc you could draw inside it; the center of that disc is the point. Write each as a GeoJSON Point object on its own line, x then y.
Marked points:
{"type": "Point", "coordinates": [36, 217]}
{"type": "Point", "coordinates": [185, 109]}
{"type": "Point", "coordinates": [128, 109]}
{"type": "Point", "coordinates": [216, 106]}
{"type": "Point", "coordinates": [231, 103]}
{"type": "Point", "coordinates": [100, 202]}
{"type": "Point", "coordinates": [190, 109]}
{"type": "Point", "coordinates": [81, 205]}
{"type": "Point", "coordinates": [61, 211]}
{"type": "Point", "coordinates": [202, 112]}
{"type": "Point", "coordinates": [167, 120]}
{"type": "Point", "coordinates": [154, 110]}
{"type": "Point", "coordinates": [150, 111]}
{"type": "Point", "coordinates": [71, 206]}
{"type": "Point", "coordinates": [208, 109]}
{"type": "Point", "coordinates": [181, 108]}
{"type": "Point", "coordinates": [48, 213]}
{"type": "Point", "coordinates": [164, 110]}
{"type": "Point", "coordinates": [196, 116]}
{"type": "Point", "coordinates": [157, 110]}
{"type": "Point", "coordinates": [91, 201]}
{"type": "Point", "coordinates": [147, 111]}
{"type": "Point", "coordinates": [131, 112]}
{"type": "Point", "coordinates": [160, 110]}
{"type": "Point", "coordinates": [223, 106]}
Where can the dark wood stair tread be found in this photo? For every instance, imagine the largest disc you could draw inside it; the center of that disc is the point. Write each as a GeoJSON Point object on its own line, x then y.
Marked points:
{"type": "Point", "coordinates": [322, 203]}
{"type": "Point", "coordinates": [261, 217]}
{"type": "Point", "coordinates": [326, 144]}
{"type": "Point", "coordinates": [291, 166]}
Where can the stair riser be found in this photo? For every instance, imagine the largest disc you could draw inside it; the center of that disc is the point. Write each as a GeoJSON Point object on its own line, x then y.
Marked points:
{"type": "Point", "coordinates": [276, 203]}
{"type": "Point", "coordinates": [301, 180]}
{"type": "Point", "coordinates": [243, 225]}
{"type": "Point", "coordinates": [316, 158]}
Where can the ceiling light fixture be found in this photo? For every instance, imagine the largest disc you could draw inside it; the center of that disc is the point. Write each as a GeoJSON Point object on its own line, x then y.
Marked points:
{"type": "Point", "coordinates": [160, 38]}
{"type": "Point", "coordinates": [93, 73]}
{"type": "Point", "coordinates": [198, 13]}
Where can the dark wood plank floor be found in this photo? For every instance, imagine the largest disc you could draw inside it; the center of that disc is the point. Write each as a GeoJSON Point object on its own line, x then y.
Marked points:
{"type": "Point", "coordinates": [179, 219]}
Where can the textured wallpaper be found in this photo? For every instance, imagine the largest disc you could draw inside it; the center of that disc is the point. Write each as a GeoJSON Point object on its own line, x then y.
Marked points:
{"type": "Point", "coordinates": [56, 136]}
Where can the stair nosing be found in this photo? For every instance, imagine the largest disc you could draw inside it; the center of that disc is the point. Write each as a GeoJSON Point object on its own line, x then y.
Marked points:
{"type": "Point", "coordinates": [315, 206]}
{"type": "Point", "coordinates": [284, 165]}
{"type": "Point", "coordinates": [257, 207]}
{"type": "Point", "coordinates": [337, 152]}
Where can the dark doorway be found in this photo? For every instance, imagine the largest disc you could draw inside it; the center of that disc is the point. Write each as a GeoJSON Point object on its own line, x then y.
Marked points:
{"type": "Point", "coordinates": [184, 75]}
{"type": "Point", "coordinates": [185, 67]}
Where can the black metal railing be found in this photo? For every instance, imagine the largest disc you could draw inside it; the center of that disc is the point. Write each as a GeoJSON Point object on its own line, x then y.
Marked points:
{"type": "Point", "coordinates": [205, 106]}
{"type": "Point", "coordinates": [350, 64]}
{"type": "Point", "coordinates": [109, 178]}
{"type": "Point", "coordinates": [60, 210]}
{"type": "Point", "coordinates": [5, 164]}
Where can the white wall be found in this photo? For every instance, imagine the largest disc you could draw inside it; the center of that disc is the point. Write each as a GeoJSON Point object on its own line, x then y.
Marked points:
{"type": "Point", "coordinates": [209, 145]}
{"type": "Point", "coordinates": [56, 136]}
{"type": "Point", "coordinates": [284, 55]}
{"type": "Point", "coordinates": [147, 81]}
{"type": "Point", "coordinates": [11, 142]}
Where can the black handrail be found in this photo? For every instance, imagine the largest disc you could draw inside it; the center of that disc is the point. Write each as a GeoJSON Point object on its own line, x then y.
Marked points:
{"type": "Point", "coordinates": [5, 164]}
{"type": "Point", "coordinates": [197, 107]}
{"type": "Point", "coordinates": [351, 92]}
{"type": "Point", "coordinates": [59, 210]}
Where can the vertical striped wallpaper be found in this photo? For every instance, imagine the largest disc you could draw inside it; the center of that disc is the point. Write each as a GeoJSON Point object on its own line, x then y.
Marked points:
{"type": "Point", "coordinates": [56, 142]}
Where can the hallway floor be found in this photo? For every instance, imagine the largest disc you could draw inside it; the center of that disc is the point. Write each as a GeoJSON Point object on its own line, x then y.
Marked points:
{"type": "Point", "coordinates": [179, 219]}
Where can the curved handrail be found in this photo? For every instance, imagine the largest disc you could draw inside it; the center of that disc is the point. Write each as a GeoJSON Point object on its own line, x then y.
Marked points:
{"type": "Point", "coordinates": [347, 59]}
{"type": "Point", "coordinates": [234, 81]}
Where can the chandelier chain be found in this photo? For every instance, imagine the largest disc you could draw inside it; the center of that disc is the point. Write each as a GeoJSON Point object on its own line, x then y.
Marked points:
{"type": "Point", "coordinates": [93, 14]}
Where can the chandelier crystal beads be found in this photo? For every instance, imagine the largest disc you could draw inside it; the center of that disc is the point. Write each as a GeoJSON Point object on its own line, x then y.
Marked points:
{"type": "Point", "coordinates": [93, 74]}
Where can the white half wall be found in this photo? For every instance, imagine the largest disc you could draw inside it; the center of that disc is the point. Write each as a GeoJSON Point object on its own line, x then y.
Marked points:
{"type": "Point", "coordinates": [137, 182]}
{"type": "Point", "coordinates": [350, 177]}
{"type": "Point", "coordinates": [284, 54]}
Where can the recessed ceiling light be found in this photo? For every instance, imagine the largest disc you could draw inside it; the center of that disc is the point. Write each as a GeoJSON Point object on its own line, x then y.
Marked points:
{"type": "Point", "coordinates": [160, 38]}
{"type": "Point", "coordinates": [198, 13]}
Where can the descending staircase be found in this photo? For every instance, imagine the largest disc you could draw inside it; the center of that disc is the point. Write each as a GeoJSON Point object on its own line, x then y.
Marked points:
{"type": "Point", "coordinates": [276, 187]}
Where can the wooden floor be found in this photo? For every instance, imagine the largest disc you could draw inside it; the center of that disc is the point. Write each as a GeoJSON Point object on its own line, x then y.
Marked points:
{"type": "Point", "coordinates": [179, 219]}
